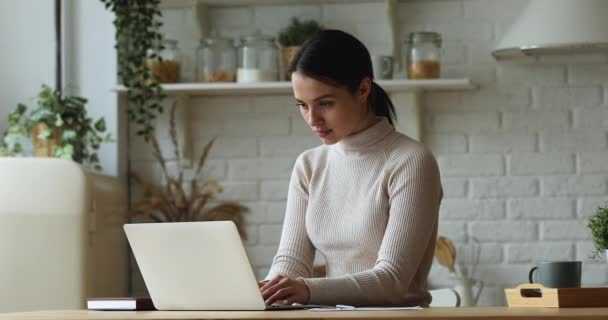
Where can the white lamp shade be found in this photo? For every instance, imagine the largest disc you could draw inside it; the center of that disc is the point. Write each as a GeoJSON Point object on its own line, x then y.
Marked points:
{"type": "Point", "coordinates": [557, 26]}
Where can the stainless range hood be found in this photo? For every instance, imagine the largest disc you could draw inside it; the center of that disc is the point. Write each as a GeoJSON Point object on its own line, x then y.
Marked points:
{"type": "Point", "coordinates": [557, 27]}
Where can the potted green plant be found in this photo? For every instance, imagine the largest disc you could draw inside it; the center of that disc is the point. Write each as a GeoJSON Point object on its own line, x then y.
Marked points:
{"type": "Point", "coordinates": [293, 36]}
{"type": "Point", "coordinates": [59, 126]}
{"type": "Point", "coordinates": [598, 223]}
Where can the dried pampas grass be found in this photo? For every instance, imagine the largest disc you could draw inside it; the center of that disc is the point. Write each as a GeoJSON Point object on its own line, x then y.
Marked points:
{"type": "Point", "coordinates": [171, 203]}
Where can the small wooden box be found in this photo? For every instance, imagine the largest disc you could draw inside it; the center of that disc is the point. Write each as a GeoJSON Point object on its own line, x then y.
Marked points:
{"type": "Point", "coordinates": [536, 295]}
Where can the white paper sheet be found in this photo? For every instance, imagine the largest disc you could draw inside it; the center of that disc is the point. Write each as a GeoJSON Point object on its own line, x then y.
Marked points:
{"type": "Point", "coordinates": [342, 307]}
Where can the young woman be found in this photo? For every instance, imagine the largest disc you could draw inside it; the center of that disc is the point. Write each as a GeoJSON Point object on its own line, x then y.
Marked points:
{"type": "Point", "coordinates": [367, 200]}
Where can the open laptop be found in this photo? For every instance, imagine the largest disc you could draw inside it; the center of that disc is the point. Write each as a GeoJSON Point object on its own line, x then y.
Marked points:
{"type": "Point", "coordinates": [196, 266]}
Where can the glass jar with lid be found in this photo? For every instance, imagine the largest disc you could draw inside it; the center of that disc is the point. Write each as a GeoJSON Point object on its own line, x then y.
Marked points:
{"type": "Point", "coordinates": [168, 68]}
{"type": "Point", "coordinates": [258, 59]}
{"type": "Point", "coordinates": [216, 60]}
{"type": "Point", "coordinates": [423, 55]}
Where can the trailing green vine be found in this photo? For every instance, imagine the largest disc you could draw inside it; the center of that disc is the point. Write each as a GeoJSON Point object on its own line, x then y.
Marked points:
{"type": "Point", "coordinates": [137, 25]}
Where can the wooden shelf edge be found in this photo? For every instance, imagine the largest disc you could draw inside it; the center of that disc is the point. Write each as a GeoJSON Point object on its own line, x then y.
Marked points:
{"type": "Point", "coordinates": [284, 87]}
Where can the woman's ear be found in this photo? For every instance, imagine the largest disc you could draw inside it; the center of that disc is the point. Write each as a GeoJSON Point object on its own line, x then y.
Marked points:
{"type": "Point", "coordinates": [365, 88]}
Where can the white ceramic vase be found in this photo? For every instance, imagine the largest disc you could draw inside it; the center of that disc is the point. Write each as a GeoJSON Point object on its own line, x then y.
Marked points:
{"type": "Point", "coordinates": [465, 288]}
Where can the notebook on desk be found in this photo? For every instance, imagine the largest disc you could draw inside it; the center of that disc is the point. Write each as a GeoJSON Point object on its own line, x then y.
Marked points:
{"type": "Point", "coordinates": [196, 266]}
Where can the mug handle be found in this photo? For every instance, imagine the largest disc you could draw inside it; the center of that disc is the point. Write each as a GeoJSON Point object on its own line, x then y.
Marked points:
{"type": "Point", "coordinates": [387, 67]}
{"type": "Point", "coordinates": [531, 274]}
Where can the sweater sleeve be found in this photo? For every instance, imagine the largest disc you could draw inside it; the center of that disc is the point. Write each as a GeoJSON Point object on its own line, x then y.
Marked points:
{"type": "Point", "coordinates": [414, 191]}
{"type": "Point", "coordinates": [296, 253]}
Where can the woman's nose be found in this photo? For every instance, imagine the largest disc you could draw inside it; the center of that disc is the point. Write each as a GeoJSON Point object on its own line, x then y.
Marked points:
{"type": "Point", "coordinates": [313, 118]}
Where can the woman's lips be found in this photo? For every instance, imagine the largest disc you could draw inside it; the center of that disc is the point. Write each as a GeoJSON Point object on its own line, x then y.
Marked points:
{"type": "Point", "coordinates": [323, 133]}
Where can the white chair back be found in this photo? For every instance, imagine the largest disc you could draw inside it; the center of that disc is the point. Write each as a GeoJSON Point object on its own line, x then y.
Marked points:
{"type": "Point", "coordinates": [61, 237]}
{"type": "Point", "coordinates": [445, 298]}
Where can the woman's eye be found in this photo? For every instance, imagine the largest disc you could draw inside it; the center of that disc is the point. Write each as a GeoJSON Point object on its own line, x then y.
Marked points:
{"type": "Point", "coordinates": [326, 103]}
{"type": "Point", "coordinates": [302, 106]}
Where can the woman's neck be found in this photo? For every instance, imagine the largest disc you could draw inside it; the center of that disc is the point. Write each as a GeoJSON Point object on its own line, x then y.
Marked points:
{"type": "Point", "coordinates": [371, 120]}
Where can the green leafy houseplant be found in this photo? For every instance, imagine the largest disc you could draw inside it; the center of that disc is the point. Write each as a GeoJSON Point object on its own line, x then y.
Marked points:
{"type": "Point", "coordinates": [60, 127]}
{"type": "Point", "coordinates": [298, 31]}
{"type": "Point", "coordinates": [137, 31]}
{"type": "Point", "coordinates": [294, 35]}
{"type": "Point", "coordinates": [598, 223]}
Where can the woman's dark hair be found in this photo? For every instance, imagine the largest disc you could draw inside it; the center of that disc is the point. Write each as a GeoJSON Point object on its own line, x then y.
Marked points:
{"type": "Point", "coordinates": [341, 60]}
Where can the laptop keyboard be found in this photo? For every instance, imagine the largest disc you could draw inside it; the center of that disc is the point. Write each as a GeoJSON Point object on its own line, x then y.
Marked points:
{"type": "Point", "coordinates": [270, 307]}
{"type": "Point", "coordinates": [273, 307]}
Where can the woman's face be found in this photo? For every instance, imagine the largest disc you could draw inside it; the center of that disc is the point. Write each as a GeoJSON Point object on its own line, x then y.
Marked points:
{"type": "Point", "coordinates": [332, 112]}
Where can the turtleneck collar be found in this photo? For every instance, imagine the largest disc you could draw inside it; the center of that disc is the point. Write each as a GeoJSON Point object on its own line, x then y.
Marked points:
{"type": "Point", "coordinates": [366, 138]}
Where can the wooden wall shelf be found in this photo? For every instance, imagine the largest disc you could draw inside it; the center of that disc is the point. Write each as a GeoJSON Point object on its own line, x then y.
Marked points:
{"type": "Point", "coordinates": [284, 87]}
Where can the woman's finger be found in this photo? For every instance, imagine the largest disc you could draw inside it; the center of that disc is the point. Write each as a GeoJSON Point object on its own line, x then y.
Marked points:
{"type": "Point", "coordinates": [270, 283]}
{"type": "Point", "coordinates": [270, 290]}
{"type": "Point", "coordinates": [262, 283]}
{"type": "Point", "coordinates": [280, 297]}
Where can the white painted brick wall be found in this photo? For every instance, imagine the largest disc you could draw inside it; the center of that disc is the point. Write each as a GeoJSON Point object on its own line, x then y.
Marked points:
{"type": "Point", "coordinates": [455, 230]}
{"type": "Point", "coordinates": [525, 164]}
{"type": "Point", "coordinates": [503, 143]}
{"type": "Point", "coordinates": [545, 208]}
{"type": "Point", "coordinates": [497, 98]}
{"type": "Point", "coordinates": [286, 146]}
{"type": "Point", "coordinates": [260, 168]}
{"type": "Point", "coordinates": [239, 191]}
{"type": "Point", "coordinates": [276, 212]}
{"type": "Point", "coordinates": [493, 9]}
{"type": "Point", "coordinates": [532, 74]}
{"type": "Point", "coordinates": [567, 97]}
{"type": "Point", "coordinates": [586, 118]}
{"type": "Point", "coordinates": [535, 120]}
{"type": "Point", "coordinates": [586, 206]}
{"type": "Point", "coordinates": [270, 234]}
{"type": "Point", "coordinates": [593, 162]}
{"type": "Point", "coordinates": [257, 212]}
{"type": "Point", "coordinates": [573, 140]}
{"type": "Point", "coordinates": [470, 252]}
{"type": "Point", "coordinates": [256, 126]}
{"type": "Point", "coordinates": [522, 157]}
{"type": "Point", "coordinates": [274, 190]}
{"type": "Point", "coordinates": [588, 74]}
{"type": "Point", "coordinates": [534, 252]}
{"type": "Point", "coordinates": [503, 230]}
{"type": "Point", "coordinates": [454, 187]}
{"type": "Point", "coordinates": [226, 147]}
{"type": "Point", "coordinates": [472, 209]}
{"type": "Point", "coordinates": [573, 185]}
{"type": "Point", "coordinates": [447, 143]}
{"type": "Point", "coordinates": [466, 165]}
{"type": "Point", "coordinates": [504, 187]}
{"type": "Point", "coordinates": [564, 230]}
{"type": "Point", "coordinates": [466, 123]}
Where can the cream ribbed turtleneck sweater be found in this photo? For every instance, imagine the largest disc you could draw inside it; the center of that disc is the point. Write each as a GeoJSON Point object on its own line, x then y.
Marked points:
{"type": "Point", "coordinates": [369, 205]}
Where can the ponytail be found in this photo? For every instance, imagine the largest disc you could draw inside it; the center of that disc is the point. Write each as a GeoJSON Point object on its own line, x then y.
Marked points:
{"type": "Point", "coordinates": [381, 105]}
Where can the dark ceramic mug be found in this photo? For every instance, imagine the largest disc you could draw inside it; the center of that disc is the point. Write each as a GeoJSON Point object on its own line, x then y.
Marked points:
{"type": "Point", "coordinates": [558, 274]}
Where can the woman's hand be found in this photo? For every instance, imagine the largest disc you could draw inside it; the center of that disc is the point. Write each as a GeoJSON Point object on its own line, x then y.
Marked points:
{"type": "Point", "coordinates": [284, 290]}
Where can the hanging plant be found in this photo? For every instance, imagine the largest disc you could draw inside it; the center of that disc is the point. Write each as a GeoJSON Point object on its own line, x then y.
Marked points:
{"type": "Point", "coordinates": [137, 25]}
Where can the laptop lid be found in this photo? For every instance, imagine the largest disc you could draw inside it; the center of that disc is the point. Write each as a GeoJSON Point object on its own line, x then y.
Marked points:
{"type": "Point", "coordinates": [194, 266]}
